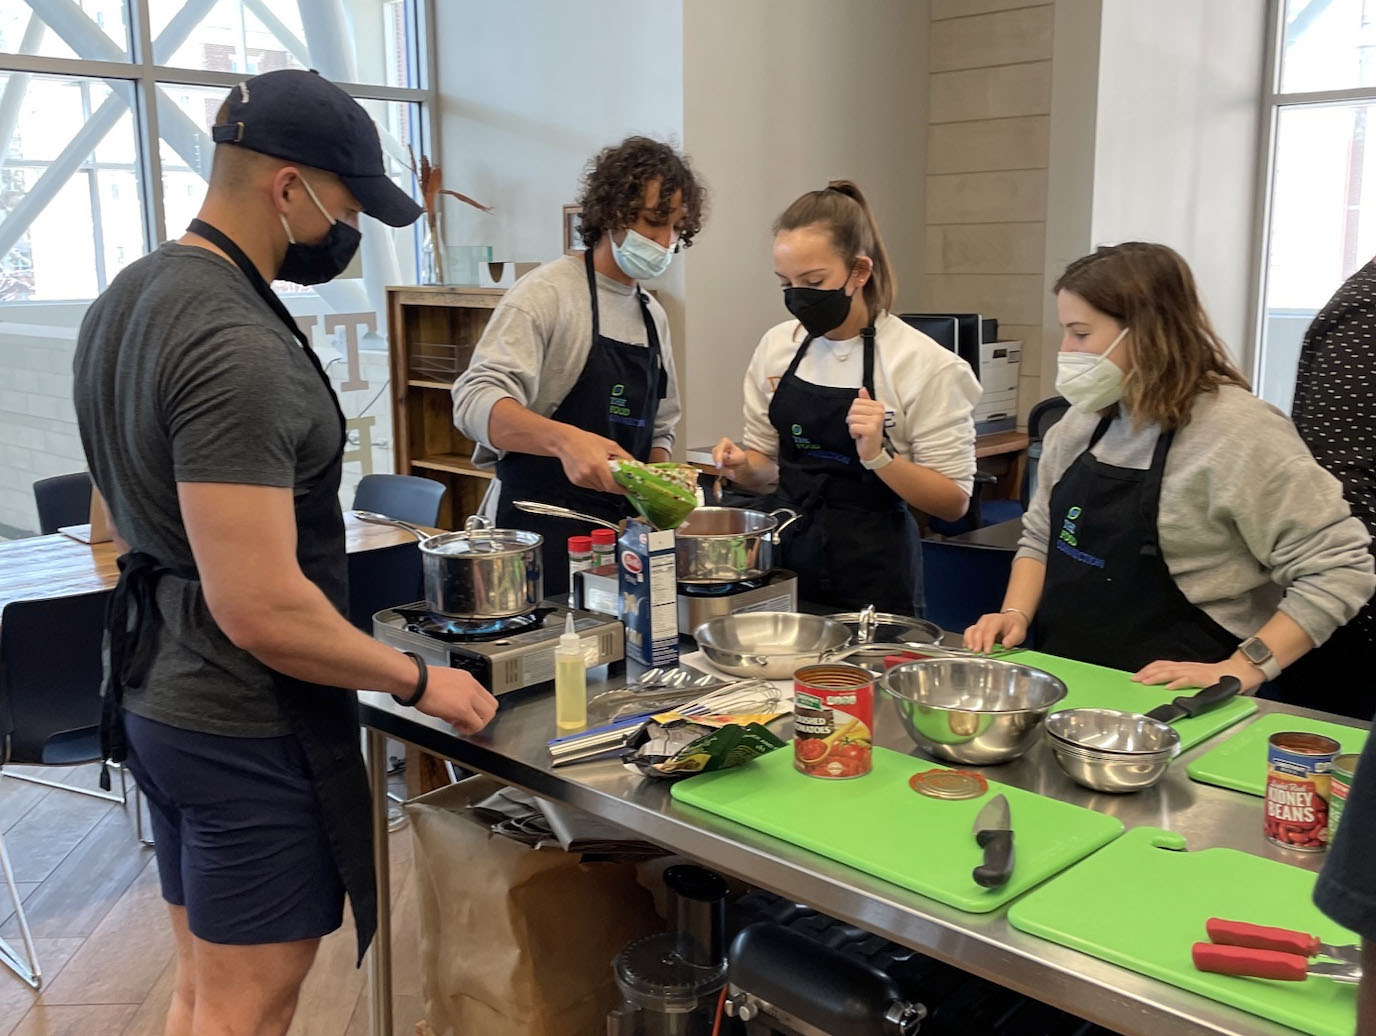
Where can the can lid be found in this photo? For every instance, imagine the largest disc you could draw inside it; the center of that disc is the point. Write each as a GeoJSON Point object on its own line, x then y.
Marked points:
{"type": "Point", "coordinates": [580, 544]}
{"type": "Point", "coordinates": [948, 784]}
{"type": "Point", "coordinates": [603, 537]}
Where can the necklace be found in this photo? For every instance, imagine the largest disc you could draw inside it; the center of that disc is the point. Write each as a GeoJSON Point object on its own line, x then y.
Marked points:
{"type": "Point", "coordinates": [842, 355]}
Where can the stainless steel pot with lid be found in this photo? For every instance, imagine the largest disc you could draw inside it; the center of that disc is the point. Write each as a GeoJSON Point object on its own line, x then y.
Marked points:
{"type": "Point", "coordinates": [479, 573]}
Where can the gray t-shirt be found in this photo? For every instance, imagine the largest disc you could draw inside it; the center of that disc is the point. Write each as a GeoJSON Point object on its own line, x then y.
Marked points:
{"type": "Point", "coordinates": [183, 374]}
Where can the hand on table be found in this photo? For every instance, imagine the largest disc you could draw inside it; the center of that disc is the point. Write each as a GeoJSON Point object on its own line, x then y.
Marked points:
{"type": "Point", "coordinates": [1176, 675]}
{"type": "Point", "coordinates": [866, 424]}
{"type": "Point", "coordinates": [457, 698]}
{"type": "Point", "coordinates": [1006, 628]}
{"type": "Point", "coordinates": [584, 457]}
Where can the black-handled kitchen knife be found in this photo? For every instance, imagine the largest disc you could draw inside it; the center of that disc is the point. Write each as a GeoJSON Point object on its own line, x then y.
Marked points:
{"type": "Point", "coordinates": [994, 834]}
{"type": "Point", "coordinates": [1197, 704]}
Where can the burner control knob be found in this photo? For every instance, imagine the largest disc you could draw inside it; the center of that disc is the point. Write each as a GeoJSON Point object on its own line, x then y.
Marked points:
{"type": "Point", "coordinates": [904, 1018]}
{"type": "Point", "coordinates": [741, 1006]}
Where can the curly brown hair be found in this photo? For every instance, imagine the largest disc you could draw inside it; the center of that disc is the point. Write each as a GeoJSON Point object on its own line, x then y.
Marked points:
{"type": "Point", "coordinates": [614, 188]}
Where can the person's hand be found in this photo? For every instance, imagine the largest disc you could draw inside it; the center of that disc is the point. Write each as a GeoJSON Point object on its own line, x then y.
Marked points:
{"type": "Point", "coordinates": [1176, 675]}
{"type": "Point", "coordinates": [731, 460]}
{"type": "Point", "coordinates": [584, 457]}
{"type": "Point", "coordinates": [866, 424]}
{"type": "Point", "coordinates": [457, 698]}
{"type": "Point", "coordinates": [1006, 628]}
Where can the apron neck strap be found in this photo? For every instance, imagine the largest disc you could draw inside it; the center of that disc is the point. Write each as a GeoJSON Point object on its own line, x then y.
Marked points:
{"type": "Point", "coordinates": [226, 244]}
{"type": "Point", "coordinates": [1099, 431]}
{"type": "Point", "coordinates": [867, 379]}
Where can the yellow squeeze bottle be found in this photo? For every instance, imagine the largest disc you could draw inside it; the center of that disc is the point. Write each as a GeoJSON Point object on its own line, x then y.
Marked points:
{"type": "Point", "coordinates": [570, 682]}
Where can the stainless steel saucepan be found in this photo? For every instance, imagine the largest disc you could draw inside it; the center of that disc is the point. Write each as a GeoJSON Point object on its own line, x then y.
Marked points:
{"type": "Point", "coordinates": [717, 545]}
{"type": "Point", "coordinates": [479, 573]}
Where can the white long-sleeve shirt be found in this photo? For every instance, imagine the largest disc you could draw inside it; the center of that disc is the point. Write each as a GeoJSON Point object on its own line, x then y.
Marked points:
{"type": "Point", "coordinates": [930, 390]}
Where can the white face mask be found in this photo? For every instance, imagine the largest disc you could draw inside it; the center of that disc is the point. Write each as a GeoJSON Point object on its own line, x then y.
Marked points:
{"type": "Point", "coordinates": [1090, 381]}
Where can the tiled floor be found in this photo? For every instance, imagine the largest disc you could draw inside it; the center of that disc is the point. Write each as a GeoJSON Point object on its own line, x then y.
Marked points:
{"type": "Point", "coordinates": [90, 891]}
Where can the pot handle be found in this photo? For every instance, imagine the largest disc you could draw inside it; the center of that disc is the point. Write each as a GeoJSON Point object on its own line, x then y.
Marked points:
{"type": "Point", "coordinates": [381, 519]}
{"type": "Point", "coordinates": [836, 654]}
{"type": "Point", "coordinates": [552, 511]}
{"type": "Point", "coordinates": [793, 516]}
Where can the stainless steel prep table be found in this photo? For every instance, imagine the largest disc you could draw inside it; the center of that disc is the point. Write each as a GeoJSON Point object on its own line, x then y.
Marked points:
{"type": "Point", "coordinates": [513, 749]}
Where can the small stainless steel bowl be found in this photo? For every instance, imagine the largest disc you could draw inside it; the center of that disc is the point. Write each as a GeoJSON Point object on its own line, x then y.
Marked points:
{"type": "Point", "coordinates": [1111, 751]}
{"type": "Point", "coordinates": [972, 710]}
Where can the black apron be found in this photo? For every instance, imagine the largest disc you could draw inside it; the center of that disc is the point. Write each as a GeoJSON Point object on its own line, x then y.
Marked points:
{"type": "Point", "coordinates": [323, 719]}
{"type": "Point", "coordinates": [1109, 597]}
{"type": "Point", "coordinates": [856, 543]}
{"type": "Point", "coordinates": [616, 396]}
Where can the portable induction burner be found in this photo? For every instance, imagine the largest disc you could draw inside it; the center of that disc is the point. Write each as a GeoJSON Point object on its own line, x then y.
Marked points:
{"type": "Point", "coordinates": [505, 655]}
{"type": "Point", "coordinates": [776, 591]}
{"type": "Point", "coordinates": [597, 589]}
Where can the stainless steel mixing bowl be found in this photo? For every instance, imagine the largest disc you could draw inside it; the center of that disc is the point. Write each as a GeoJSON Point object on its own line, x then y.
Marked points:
{"type": "Point", "coordinates": [1112, 751]}
{"type": "Point", "coordinates": [972, 710]}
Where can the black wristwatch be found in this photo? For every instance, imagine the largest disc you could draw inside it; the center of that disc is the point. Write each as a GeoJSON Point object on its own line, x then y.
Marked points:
{"type": "Point", "coordinates": [422, 679]}
{"type": "Point", "coordinates": [1254, 649]}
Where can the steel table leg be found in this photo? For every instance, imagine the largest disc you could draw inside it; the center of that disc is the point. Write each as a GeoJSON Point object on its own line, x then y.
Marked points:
{"type": "Point", "coordinates": [380, 956]}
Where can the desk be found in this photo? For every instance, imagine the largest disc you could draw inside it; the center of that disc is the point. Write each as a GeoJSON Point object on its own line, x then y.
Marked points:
{"type": "Point", "coordinates": [58, 566]}
{"type": "Point", "coordinates": [996, 444]}
{"type": "Point", "coordinates": [1004, 535]}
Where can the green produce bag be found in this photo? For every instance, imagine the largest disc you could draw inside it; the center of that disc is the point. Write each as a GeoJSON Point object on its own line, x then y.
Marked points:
{"type": "Point", "coordinates": [657, 492]}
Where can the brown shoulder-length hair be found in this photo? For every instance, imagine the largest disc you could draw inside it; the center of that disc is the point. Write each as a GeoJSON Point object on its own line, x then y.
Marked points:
{"type": "Point", "coordinates": [614, 189]}
{"type": "Point", "coordinates": [842, 209]}
{"type": "Point", "coordinates": [1176, 353]}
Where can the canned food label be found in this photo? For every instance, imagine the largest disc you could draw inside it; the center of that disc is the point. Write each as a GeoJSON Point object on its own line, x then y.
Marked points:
{"type": "Point", "coordinates": [832, 728]}
{"type": "Point", "coordinates": [1297, 795]}
{"type": "Point", "coordinates": [1339, 787]}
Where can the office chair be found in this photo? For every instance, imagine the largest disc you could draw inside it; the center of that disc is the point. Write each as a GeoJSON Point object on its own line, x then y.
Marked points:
{"type": "Point", "coordinates": [62, 501]}
{"type": "Point", "coordinates": [408, 497]}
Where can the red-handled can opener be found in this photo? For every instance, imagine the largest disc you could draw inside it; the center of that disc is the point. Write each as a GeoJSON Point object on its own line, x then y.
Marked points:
{"type": "Point", "coordinates": [1258, 951]}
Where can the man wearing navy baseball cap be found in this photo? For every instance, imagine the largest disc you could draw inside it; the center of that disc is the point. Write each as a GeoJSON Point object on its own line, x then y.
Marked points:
{"type": "Point", "coordinates": [212, 431]}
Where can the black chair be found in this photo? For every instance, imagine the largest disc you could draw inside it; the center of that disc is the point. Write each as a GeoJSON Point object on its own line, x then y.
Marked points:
{"type": "Point", "coordinates": [62, 501]}
{"type": "Point", "coordinates": [408, 497]}
{"type": "Point", "coordinates": [1039, 422]}
{"type": "Point", "coordinates": [962, 581]}
{"type": "Point", "coordinates": [50, 674]}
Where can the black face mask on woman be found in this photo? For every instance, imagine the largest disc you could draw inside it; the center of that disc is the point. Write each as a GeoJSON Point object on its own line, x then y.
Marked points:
{"type": "Point", "coordinates": [318, 263]}
{"type": "Point", "coordinates": [819, 310]}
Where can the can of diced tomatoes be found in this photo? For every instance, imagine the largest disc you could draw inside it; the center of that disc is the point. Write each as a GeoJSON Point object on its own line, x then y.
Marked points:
{"type": "Point", "coordinates": [1299, 768]}
{"type": "Point", "coordinates": [833, 721]}
{"type": "Point", "coordinates": [1344, 770]}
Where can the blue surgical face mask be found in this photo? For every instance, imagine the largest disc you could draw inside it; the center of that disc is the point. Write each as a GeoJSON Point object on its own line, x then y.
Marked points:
{"type": "Point", "coordinates": [640, 258]}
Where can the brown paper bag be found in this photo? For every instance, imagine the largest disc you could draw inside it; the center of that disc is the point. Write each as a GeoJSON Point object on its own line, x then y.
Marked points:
{"type": "Point", "coordinates": [515, 941]}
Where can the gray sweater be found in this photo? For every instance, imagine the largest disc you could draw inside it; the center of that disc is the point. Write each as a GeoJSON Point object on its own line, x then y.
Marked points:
{"type": "Point", "coordinates": [537, 341]}
{"type": "Point", "coordinates": [1248, 522]}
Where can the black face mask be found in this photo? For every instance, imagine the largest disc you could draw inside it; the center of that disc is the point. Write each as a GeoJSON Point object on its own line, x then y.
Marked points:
{"type": "Point", "coordinates": [819, 310]}
{"type": "Point", "coordinates": [316, 264]}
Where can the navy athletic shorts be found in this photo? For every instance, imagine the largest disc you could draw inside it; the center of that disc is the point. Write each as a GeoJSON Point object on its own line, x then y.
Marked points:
{"type": "Point", "coordinates": [238, 834]}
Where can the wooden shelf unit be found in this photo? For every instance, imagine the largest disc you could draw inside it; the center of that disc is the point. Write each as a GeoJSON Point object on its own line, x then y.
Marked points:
{"type": "Point", "coordinates": [431, 334]}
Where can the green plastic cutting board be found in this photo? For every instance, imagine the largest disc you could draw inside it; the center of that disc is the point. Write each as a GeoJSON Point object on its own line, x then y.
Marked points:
{"type": "Point", "coordinates": [879, 825]}
{"type": "Point", "coordinates": [1142, 906]}
{"type": "Point", "coordinates": [1240, 762]}
{"type": "Point", "coordinates": [1097, 687]}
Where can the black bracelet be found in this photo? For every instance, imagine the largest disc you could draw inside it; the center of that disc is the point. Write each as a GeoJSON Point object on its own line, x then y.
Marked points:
{"type": "Point", "coordinates": [421, 680]}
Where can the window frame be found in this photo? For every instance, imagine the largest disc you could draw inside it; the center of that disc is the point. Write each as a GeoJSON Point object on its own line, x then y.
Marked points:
{"type": "Point", "coordinates": [146, 77]}
{"type": "Point", "coordinates": [1273, 102]}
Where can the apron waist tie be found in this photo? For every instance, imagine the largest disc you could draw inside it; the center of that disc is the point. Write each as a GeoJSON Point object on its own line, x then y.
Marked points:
{"type": "Point", "coordinates": [131, 618]}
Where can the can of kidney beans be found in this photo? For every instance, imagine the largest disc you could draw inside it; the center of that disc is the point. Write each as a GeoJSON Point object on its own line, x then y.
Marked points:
{"type": "Point", "coordinates": [833, 721]}
{"type": "Point", "coordinates": [1344, 769]}
{"type": "Point", "coordinates": [1299, 768]}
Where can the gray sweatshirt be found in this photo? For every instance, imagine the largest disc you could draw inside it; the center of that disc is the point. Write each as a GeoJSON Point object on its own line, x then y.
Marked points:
{"type": "Point", "coordinates": [537, 341]}
{"type": "Point", "coordinates": [1248, 521]}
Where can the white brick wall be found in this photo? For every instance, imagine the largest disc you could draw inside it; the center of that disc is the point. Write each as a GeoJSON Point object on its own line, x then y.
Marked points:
{"type": "Point", "coordinates": [38, 433]}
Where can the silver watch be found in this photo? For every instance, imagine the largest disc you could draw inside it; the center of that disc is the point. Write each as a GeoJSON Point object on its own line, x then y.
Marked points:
{"type": "Point", "coordinates": [885, 457]}
{"type": "Point", "coordinates": [1254, 649]}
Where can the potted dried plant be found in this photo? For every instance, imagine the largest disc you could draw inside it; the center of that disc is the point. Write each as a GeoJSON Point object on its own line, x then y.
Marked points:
{"type": "Point", "coordinates": [431, 187]}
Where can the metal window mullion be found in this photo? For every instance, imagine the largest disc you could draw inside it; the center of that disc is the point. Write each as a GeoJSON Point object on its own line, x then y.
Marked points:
{"type": "Point", "coordinates": [1319, 97]}
{"type": "Point", "coordinates": [149, 142]}
{"type": "Point", "coordinates": [89, 68]}
{"type": "Point", "coordinates": [430, 112]}
{"type": "Point", "coordinates": [1265, 175]}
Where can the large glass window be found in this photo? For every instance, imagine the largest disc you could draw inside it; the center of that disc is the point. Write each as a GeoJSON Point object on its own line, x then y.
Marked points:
{"type": "Point", "coordinates": [78, 96]}
{"type": "Point", "coordinates": [1322, 204]}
